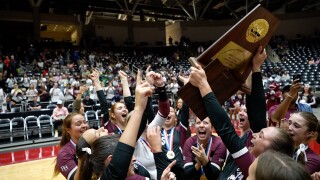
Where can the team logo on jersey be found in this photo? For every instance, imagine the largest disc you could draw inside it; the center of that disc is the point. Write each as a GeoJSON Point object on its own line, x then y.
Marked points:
{"type": "Point", "coordinates": [64, 168]}
{"type": "Point", "coordinates": [163, 141]}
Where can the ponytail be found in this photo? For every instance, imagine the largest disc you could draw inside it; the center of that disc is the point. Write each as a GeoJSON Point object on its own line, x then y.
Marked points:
{"type": "Point", "coordinates": [83, 151]}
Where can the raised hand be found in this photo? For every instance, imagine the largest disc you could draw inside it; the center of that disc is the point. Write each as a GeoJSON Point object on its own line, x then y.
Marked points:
{"type": "Point", "coordinates": [183, 79]}
{"type": "Point", "coordinates": [167, 174]}
{"type": "Point", "coordinates": [197, 76]}
{"type": "Point", "coordinates": [95, 75]}
{"type": "Point", "coordinates": [154, 138]}
{"type": "Point", "coordinates": [143, 90]}
{"type": "Point", "coordinates": [150, 76]}
{"type": "Point", "coordinates": [83, 89]}
{"type": "Point", "coordinates": [295, 87]}
{"type": "Point", "coordinates": [200, 154]}
{"type": "Point", "coordinates": [123, 75]}
{"type": "Point", "coordinates": [258, 59]}
{"type": "Point", "coordinates": [158, 80]}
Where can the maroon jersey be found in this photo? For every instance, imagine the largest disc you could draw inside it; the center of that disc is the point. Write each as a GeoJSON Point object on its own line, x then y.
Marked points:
{"type": "Point", "coordinates": [313, 161]}
{"type": "Point", "coordinates": [217, 155]}
{"type": "Point", "coordinates": [66, 159]}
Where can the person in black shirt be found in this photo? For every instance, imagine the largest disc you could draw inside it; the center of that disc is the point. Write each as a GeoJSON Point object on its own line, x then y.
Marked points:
{"type": "Point", "coordinates": [34, 105]}
{"type": "Point", "coordinates": [87, 101]}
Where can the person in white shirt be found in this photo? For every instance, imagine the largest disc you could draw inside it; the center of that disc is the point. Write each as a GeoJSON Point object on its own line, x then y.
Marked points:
{"type": "Point", "coordinates": [31, 93]}
{"type": "Point", "coordinates": [56, 93]}
{"type": "Point", "coordinates": [26, 81]}
{"type": "Point", "coordinates": [34, 81]}
{"type": "Point", "coordinates": [285, 76]}
{"type": "Point", "coordinates": [110, 91]}
{"type": "Point", "coordinates": [10, 82]}
{"type": "Point", "coordinates": [63, 82]}
{"type": "Point", "coordinates": [2, 97]}
{"type": "Point", "coordinates": [68, 93]}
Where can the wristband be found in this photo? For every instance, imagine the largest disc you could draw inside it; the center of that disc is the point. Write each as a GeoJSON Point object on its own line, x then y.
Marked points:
{"type": "Point", "coordinates": [288, 94]}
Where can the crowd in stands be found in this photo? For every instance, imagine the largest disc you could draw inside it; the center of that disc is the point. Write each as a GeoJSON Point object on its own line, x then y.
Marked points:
{"type": "Point", "coordinates": [141, 135]}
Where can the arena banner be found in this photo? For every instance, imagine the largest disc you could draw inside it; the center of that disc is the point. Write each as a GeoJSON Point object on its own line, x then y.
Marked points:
{"type": "Point", "coordinates": [228, 61]}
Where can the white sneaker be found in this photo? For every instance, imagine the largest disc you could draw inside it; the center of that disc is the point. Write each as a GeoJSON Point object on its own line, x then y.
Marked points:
{"type": "Point", "coordinates": [56, 134]}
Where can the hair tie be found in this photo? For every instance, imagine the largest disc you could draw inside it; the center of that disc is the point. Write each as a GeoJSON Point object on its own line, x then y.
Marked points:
{"type": "Point", "coordinates": [86, 149]}
{"type": "Point", "coordinates": [302, 149]}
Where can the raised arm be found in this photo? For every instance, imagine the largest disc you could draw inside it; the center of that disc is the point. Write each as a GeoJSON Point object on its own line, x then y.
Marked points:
{"type": "Point", "coordinates": [125, 147]}
{"type": "Point", "coordinates": [102, 98]}
{"type": "Point", "coordinates": [125, 84]}
{"type": "Point", "coordinates": [77, 101]}
{"type": "Point", "coordinates": [289, 98]}
{"type": "Point", "coordinates": [256, 102]}
{"type": "Point", "coordinates": [128, 99]}
{"type": "Point", "coordinates": [163, 103]}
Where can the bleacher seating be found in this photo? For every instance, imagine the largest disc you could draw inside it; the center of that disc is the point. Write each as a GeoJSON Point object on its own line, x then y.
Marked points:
{"type": "Point", "coordinates": [46, 125]}
{"type": "Point", "coordinates": [5, 129]}
{"type": "Point", "coordinates": [18, 127]}
{"type": "Point", "coordinates": [92, 119]}
{"type": "Point", "coordinates": [32, 126]}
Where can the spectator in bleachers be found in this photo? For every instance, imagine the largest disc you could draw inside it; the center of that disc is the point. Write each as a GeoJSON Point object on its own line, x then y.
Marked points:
{"type": "Point", "coordinates": [63, 82]}
{"type": "Point", "coordinates": [281, 113]}
{"type": "Point", "coordinates": [178, 106]}
{"type": "Point", "coordinates": [87, 101]}
{"type": "Point", "coordinates": [26, 81]}
{"type": "Point", "coordinates": [14, 64]}
{"type": "Point", "coordinates": [93, 93]}
{"type": "Point", "coordinates": [10, 82]}
{"type": "Point", "coordinates": [34, 81]}
{"type": "Point", "coordinates": [1, 65]}
{"type": "Point", "coordinates": [3, 81]}
{"type": "Point", "coordinates": [115, 81]}
{"type": "Point", "coordinates": [110, 91]}
{"type": "Point", "coordinates": [31, 92]}
{"type": "Point", "coordinates": [236, 101]}
{"type": "Point", "coordinates": [311, 61]}
{"type": "Point", "coordinates": [173, 86]}
{"type": "Point", "coordinates": [15, 91]}
{"type": "Point", "coordinates": [43, 94]}
{"type": "Point", "coordinates": [76, 81]}
{"type": "Point", "coordinates": [56, 93]}
{"type": "Point", "coordinates": [51, 78]}
{"type": "Point", "coordinates": [9, 104]}
{"type": "Point", "coordinates": [76, 89]}
{"type": "Point", "coordinates": [88, 81]}
{"type": "Point", "coordinates": [307, 96]}
{"type": "Point", "coordinates": [68, 93]}
{"type": "Point", "coordinates": [7, 64]}
{"type": "Point", "coordinates": [56, 76]}
{"type": "Point", "coordinates": [34, 105]}
{"type": "Point", "coordinates": [2, 97]}
{"type": "Point", "coordinates": [40, 83]}
{"type": "Point", "coordinates": [85, 72]}
{"type": "Point", "coordinates": [58, 114]}
{"type": "Point", "coordinates": [285, 76]}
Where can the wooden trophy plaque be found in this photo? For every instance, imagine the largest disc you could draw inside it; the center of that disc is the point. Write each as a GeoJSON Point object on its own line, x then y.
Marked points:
{"type": "Point", "coordinates": [228, 61]}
